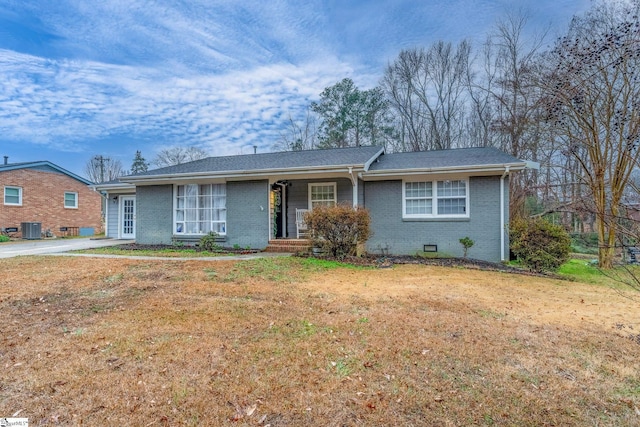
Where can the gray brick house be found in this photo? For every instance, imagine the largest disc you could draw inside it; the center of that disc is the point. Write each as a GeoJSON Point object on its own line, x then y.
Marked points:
{"type": "Point", "coordinates": [417, 201]}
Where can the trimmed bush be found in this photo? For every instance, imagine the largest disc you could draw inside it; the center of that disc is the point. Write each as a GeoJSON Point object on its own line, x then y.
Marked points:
{"type": "Point", "coordinates": [4, 238]}
{"type": "Point", "coordinates": [538, 244]}
{"type": "Point", "coordinates": [338, 230]}
{"type": "Point", "coordinates": [466, 243]}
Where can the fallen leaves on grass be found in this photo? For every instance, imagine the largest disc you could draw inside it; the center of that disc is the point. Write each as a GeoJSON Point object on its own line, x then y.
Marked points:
{"type": "Point", "coordinates": [100, 342]}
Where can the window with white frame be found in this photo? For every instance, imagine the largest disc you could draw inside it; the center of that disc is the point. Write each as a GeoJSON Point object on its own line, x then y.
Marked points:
{"type": "Point", "coordinates": [70, 200]}
{"type": "Point", "coordinates": [322, 193]}
{"type": "Point", "coordinates": [418, 198]}
{"type": "Point", "coordinates": [200, 209]}
{"type": "Point", "coordinates": [13, 196]}
{"type": "Point", "coordinates": [433, 199]}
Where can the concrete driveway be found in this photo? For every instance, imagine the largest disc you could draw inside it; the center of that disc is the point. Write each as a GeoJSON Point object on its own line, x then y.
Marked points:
{"type": "Point", "coordinates": [54, 246]}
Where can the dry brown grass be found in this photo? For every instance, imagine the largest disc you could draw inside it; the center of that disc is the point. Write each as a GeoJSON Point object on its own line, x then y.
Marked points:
{"type": "Point", "coordinates": [284, 343]}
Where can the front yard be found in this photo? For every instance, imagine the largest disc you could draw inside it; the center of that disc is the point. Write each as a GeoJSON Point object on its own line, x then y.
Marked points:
{"type": "Point", "coordinates": [291, 342]}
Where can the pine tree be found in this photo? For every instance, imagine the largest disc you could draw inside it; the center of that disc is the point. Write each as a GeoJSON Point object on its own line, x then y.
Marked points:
{"type": "Point", "coordinates": [139, 164]}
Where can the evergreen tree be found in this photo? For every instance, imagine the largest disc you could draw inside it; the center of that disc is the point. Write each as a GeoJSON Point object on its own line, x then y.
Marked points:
{"type": "Point", "coordinates": [350, 117]}
{"type": "Point", "coordinates": [139, 163]}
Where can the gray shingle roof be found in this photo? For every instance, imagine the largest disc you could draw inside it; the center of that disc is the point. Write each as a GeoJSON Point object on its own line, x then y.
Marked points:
{"type": "Point", "coordinates": [435, 159]}
{"type": "Point", "coordinates": [354, 156]}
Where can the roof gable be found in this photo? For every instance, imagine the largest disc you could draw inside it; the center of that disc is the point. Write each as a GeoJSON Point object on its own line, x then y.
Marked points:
{"type": "Point", "coordinates": [44, 166]}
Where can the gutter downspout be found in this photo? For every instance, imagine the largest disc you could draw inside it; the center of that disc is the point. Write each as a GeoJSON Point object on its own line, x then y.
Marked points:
{"type": "Point", "coordinates": [502, 223]}
{"type": "Point", "coordinates": [354, 184]}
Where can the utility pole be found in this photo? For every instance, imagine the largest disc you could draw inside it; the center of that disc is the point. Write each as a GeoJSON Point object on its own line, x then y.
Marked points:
{"type": "Point", "coordinates": [101, 159]}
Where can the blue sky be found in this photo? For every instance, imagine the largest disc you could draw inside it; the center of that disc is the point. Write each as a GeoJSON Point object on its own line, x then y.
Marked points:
{"type": "Point", "coordinates": [80, 78]}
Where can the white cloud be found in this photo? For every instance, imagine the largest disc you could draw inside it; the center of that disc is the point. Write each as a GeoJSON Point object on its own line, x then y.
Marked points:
{"type": "Point", "coordinates": [220, 74]}
{"type": "Point", "coordinates": [80, 100]}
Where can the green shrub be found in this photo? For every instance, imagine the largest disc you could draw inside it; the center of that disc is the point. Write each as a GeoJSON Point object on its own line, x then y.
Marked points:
{"type": "Point", "coordinates": [538, 244]}
{"type": "Point", "coordinates": [466, 243]}
{"type": "Point", "coordinates": [4, 238]}
{"type": "Point", "coordinates": [208, 242]}
{"type": "Point", "coordinates": [338, 230]}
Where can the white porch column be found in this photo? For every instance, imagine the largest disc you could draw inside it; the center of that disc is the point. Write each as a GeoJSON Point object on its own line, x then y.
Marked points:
{"type": "Point", "coordinates": [354, 187]}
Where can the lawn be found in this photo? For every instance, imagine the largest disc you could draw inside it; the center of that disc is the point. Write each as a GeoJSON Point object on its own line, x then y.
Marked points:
{"type": "Point", "coordinates": [293, 342]}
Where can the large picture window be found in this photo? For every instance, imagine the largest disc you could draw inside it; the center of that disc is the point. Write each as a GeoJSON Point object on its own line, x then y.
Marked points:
{"type": "Point", "coordinates": [323, 193]}
{"type": "Point", "coordinates": [432, 199]}
{"type": "Point", "coordinates": [13, 196]}
{"type": "Point", "coordinates": [201, 209]}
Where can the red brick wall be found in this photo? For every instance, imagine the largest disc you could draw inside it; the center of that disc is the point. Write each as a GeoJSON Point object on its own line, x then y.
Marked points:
{"type": "Point", "coordinates": [43, 201]}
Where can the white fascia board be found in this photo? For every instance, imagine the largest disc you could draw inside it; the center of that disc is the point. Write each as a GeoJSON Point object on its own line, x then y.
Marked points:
{"type": "Point", "coordinates": [373, 159]}
{"type": "Point", "coordinates": [240, 175]}
{"type": "Point", "coordinates": [113, 187]}
{"type": "Point", "coordinates": [452, 169]}
{"type": "Point", "coordinates": [532, 165]}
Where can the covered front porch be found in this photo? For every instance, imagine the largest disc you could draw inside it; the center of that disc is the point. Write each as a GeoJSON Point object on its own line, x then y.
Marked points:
{"type": "Point", "coordinates": [290, 198]}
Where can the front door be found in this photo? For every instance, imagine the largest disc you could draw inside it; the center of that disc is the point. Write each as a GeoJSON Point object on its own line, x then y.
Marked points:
{"type": "Point", "coordinates": [127, 217]}
{"type": "Point", "coordinates": [277, 210]}
{"type": "Point", "coordinates": [279, 207]}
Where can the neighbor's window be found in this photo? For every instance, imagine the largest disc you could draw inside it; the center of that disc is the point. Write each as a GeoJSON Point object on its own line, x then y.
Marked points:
{"type": "Point", "coordinates": [70, 200]}
{"type": "Point", "coordinates": [13, 196]}
{"type": "Point", "coordinates": [323, 193]}
{"type": "Point", "coordinates": [201, 209]}
{"type": "Point", "coordinates": [432, 199]}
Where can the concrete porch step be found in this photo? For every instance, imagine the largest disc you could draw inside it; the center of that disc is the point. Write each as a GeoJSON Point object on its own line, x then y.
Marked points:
{"type": "Point", "coordinates": [289, 245]}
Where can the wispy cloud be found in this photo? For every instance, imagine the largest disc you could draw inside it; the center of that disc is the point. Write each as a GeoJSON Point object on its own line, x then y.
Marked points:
{"type": "Point", "coordinates": [224, 75]}
{"type": "Point", "coordinates": [80, 100]}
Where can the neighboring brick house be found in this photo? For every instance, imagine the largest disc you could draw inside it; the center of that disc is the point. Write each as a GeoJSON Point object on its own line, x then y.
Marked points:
{"type": "Point", "coordinates": [425, 201]}
{"type": "Point", "coordinates": [42, 192]}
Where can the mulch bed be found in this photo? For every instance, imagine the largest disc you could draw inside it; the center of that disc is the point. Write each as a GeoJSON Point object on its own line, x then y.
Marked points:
{"type": "Point", "coordinates": [373, 260]}
{"type": "Point", "coordinates": [141, 247]}
{"type": "Point", "coordinates": [471, 264]}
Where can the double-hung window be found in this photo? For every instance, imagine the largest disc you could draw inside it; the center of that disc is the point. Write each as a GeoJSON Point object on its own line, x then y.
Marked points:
{"type": "Point", "coordinates": [418, 198]}
{"type": "Point", "coordinates": [452, 197]}
{"type": "Point", "coordinates": [435, 199]}
{"type": "Point", "coordinates": [322, 194]}
{"type": "Point", "coordinates": [13, 196]}
{"type": "Point", "coordinates": [70, 200]}
{"type": "Point", "coordinates": [201, 209]}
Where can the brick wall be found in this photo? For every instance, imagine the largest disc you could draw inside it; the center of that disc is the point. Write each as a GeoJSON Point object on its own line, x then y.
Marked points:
{"type": "Point", "coordinates": [400, 236]}
{"type": "Point", "coordinates": [248, 214]}
{"type": "Point", "coordinates": [154, 212]}
{"type": "Point", "coordinates": [43, 201]}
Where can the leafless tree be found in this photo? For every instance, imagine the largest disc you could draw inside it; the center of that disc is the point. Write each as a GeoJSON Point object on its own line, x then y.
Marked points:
{"type": "Point", "coordinates": [593, 92]}
{"type": "Point", "coordinates": [102, 169]}
{"type": "Point", "coordinates": [399, 86]}
{"type": "Point", "coordinates": [507, 100]}
{"type": "Point", "coordinates": [428, 92]}
{"type": "Point", "coordinates": [177, 155]}
{"type": "Point", "coordinates": [298, 134]}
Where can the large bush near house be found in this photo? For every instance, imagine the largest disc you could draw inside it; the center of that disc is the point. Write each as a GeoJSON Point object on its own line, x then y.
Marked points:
{"type": "Point", "coordinates": [538, 244]}
{"type": "Point", "coordinates": [338, 230]}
